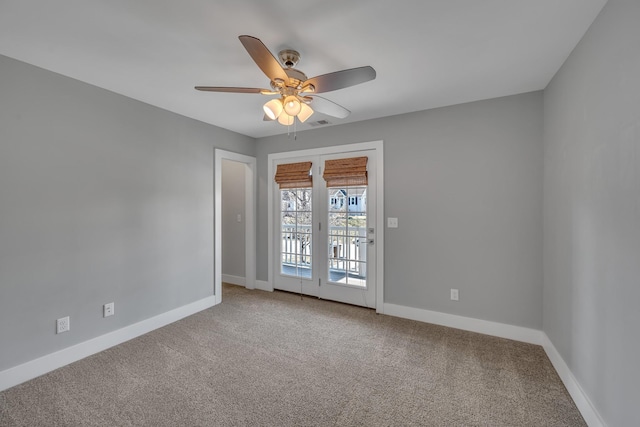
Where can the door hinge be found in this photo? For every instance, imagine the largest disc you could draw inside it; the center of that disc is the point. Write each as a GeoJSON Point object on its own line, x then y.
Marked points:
{"type": "Point", "coordinates": [319, 226]}
{"type": "Point", "coordinates": [319, 281]}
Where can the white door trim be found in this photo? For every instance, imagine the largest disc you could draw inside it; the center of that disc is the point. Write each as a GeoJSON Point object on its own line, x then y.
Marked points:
{"type": "Point", "coordinates": [361, 146]}
{"type": "Point", "coordinates": [249, 223]}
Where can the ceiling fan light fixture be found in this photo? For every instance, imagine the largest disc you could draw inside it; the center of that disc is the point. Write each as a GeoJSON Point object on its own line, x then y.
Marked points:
{"type": "Point", "coordinates": [305, 113]}
{"type": "Point", "coordinates": [273, 109]}
{"type": "Point", "coordinates": [292, 105]}
{"type": "Point", "coordinates": [285, 119]}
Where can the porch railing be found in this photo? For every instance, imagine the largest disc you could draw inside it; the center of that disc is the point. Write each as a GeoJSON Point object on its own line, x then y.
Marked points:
{"type": "Point", "coordinates": [346, 249]}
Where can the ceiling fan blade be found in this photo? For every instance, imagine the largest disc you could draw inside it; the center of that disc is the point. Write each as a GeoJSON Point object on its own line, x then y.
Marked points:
{"type": "Point", "coordinates": [341, 79]}
{"type": "Point", "coordinates": [263, 58]}
{"type": "Point", "coordinates": [330, 108]}
{"type": "Point", "coordinates": [230, 89]}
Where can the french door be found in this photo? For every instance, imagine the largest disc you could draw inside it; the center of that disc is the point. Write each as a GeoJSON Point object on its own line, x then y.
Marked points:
{"type": "Point", "coordinates": [324, 236]}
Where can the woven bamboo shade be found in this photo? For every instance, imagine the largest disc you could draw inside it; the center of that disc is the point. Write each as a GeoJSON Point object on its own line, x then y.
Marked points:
{"type": "Point", "coordinates": [345, 172]}
{"type": "Point", "coordinates": [294, 175]}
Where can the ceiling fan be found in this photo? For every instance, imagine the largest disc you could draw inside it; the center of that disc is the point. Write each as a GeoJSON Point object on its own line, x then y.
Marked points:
{"type": "Point", "coordinates": [297, 95]}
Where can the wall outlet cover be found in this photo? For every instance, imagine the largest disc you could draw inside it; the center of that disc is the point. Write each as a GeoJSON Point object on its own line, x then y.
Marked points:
{"type": "Point", "coordinates": [108, 309]}
{"type": "Point", "coordinates": [63, 325]}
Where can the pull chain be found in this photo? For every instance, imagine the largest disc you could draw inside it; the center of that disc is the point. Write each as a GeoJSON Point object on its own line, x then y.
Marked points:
{"type": "Point", "coordinates": [295, 129]}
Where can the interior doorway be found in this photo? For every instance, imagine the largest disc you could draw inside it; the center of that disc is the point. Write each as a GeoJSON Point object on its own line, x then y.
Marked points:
{"type": "Point", "coordinates": [247, 164]}
{"type": "Point", "coordinates": [233, 222]}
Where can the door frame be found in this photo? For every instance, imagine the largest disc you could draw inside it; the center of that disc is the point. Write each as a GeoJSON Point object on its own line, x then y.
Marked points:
{"type": "Point", "coordinates": [249, 219]}
{"type": "Point", "coordinates": [377, 146]}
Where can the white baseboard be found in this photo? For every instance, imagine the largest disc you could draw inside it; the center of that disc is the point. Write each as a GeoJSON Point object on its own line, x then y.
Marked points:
{"type": "Point", "coordinates": [582, 401]}
{"type": "Point", "coordinates": [234, 280]}
{"type": "Point", "coordinates": [502, 330]}
{"type": "Point", "coordinates": [34, 368]}
{"type": "Point", "coordinates": [517, 333]}
{"type": "Point", "coordinates": [263, 285]}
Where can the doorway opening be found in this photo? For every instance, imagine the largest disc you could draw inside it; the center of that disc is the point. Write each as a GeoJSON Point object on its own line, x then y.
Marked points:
{"type": "Point", "coordinates": [235, 164]}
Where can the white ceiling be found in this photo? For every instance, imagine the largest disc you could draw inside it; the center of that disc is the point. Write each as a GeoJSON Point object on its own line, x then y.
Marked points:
{"type": "Point", "coordinates": [427, 53]}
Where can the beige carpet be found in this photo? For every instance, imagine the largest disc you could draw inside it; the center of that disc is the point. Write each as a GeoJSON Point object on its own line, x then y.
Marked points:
{"type": "Point", "coordinates": [272, 359]}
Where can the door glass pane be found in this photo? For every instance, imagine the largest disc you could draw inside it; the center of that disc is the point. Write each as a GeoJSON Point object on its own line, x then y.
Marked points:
{"type": "Point", "coordinates": [338, 220]}
{"type": "Point", "coordinates": [295, 232]}
{"type": "Point", "coordinates": [347, 235]}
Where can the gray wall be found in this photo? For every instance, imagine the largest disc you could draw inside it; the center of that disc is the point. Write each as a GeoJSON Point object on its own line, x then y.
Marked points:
{"type": "Point", "coordinates": [592, 212]}
{"type": "Point", "coordinates": [466, 184]}
{"type": "Point", "coordinates": [233, 232]}
{"type": "Point", "coordinates": [102, 198]}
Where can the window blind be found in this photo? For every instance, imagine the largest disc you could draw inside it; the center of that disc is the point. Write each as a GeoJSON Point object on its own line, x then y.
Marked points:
{"type": "Point", "coordinates": [294, 175]}
{"type": "Point", "coordinates": [345, 172]}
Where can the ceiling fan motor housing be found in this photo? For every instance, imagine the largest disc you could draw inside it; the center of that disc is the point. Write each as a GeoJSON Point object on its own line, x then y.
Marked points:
{"type": "Point", "coordinates": [296, 77]}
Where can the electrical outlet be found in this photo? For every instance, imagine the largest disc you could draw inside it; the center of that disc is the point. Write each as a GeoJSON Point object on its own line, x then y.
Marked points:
{"type": "Point", "coordinates": [108, 309]}
{"type": "Point", "coordinates": [454, 295]}
{"type": "Point", "coordinates": [63, 325]}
